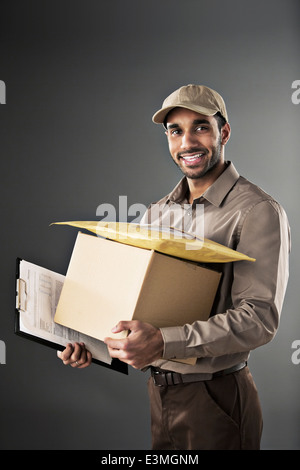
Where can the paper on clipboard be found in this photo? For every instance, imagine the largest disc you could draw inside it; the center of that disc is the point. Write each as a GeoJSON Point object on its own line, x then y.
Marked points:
{"type": "Point", "coordinates": [37, 293]}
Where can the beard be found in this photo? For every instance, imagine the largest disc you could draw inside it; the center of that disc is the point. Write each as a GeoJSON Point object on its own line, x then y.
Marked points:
{"type": "Point", "coordinates": [209, 164]}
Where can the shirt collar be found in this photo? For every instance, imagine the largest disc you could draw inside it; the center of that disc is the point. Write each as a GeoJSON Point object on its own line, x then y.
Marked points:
{"type": "Point", "coordinates": [215, 194]}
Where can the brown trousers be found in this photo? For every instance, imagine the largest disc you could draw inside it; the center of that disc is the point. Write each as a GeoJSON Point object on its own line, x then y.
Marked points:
{"type": "Point", "coordinates": [220, 414]}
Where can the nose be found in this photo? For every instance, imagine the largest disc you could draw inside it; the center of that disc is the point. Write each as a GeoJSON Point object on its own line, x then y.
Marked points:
{"type": "Point", "coordinates": [188, 140]}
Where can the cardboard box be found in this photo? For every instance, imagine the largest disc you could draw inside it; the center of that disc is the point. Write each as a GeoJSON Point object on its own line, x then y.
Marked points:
{"type": "Point", "coordinates": [107, 281]}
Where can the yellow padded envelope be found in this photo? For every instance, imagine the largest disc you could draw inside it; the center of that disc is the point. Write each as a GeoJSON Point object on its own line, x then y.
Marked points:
{"type": "Point", "coordinates": [164, 240]}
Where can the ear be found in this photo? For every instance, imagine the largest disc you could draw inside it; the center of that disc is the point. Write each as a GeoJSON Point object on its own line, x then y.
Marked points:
{"type": "Point", "coordinates": [225, 133]}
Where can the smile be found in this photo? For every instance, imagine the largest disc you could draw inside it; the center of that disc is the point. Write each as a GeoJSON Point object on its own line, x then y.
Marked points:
{"type": "Point", "coordinates": [192, 159]}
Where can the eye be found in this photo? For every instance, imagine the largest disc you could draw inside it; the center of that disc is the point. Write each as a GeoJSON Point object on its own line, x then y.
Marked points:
{"type": "Point", "coordinates": [201, 128]}
{"type": "Point", "coordinates": [175, 131]}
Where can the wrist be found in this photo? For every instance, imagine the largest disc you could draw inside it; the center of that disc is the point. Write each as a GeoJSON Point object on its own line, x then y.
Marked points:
{"type": "Point", "coordinates": [174, 342]}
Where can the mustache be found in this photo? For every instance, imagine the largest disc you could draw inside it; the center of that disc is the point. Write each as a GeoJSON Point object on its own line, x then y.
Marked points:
{"type": "Point", "coordinates": [192, 150]}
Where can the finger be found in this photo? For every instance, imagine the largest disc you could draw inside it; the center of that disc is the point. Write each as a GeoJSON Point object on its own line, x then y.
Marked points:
{"type": "Point", "coordinates": [88, 361]}
{"type": "Point", "coordinates": [79, 355]}
{"type": "Point", "coordinates": [71, 354]}
{"type": "Point", "coordinates": [123, 325]}
{"type": "Point", "coordinates": [82, 355]}
{"type": "Point", "coordinates": [66, 353]}
{"type": "Point", "coordinates": [117, 354]}
{"type": "Point", "coordinates": [114, 343]}
{"type": "Point", "coordinates": [75, 355]}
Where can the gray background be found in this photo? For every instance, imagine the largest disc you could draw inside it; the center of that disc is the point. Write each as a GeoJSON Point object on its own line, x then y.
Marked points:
{"type": "Point", "coordinates": [83, 80]}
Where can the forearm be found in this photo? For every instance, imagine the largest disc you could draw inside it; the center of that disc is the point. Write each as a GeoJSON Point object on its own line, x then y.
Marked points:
{"type": "Point", "coordinates": [235, 331]}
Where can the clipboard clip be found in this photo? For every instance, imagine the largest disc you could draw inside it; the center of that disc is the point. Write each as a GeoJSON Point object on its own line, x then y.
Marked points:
{"type": "Point", "coordinates": [21, 295]}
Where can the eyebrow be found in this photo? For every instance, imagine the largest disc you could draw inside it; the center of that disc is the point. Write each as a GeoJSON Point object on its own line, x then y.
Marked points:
{"type": "Point", "coordinates": [195, 122]}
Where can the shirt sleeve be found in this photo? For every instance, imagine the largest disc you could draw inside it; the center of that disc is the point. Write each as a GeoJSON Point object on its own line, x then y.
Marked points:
{"type": "Point", "coordinates": [257, 292]}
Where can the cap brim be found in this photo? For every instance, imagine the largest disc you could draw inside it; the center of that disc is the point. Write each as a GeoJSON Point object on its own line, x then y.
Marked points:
{"type": "Point", "coordinates": [159, 116]}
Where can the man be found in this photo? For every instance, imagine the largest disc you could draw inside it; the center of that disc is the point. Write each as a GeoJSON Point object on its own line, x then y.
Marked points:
{"type": "Point", "coordinates": [213, 404]}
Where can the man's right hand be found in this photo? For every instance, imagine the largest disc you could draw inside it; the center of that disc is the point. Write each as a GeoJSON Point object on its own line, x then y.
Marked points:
{"type": "Point", "coordinates": [75, 355]}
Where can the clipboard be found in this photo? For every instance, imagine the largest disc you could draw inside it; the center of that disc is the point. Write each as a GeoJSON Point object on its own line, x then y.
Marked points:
{"type": "Point", "coordinates": [38, 330]}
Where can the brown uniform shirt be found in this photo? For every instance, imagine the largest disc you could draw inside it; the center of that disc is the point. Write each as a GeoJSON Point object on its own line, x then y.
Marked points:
{"type": "Point", "coordinates": [247, 308]}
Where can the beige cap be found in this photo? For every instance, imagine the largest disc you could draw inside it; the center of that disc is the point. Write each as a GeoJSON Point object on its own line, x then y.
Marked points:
{"type": "Point", "coordinates": [198, 98]}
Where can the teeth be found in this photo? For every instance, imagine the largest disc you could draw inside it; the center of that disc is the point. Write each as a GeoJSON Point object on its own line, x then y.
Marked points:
{"type": "Point", "coordinates": [193, 156]}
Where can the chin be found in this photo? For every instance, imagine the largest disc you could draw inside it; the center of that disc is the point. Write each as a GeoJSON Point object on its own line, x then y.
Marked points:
{"type": "Point", "coordinates": [200, 172]}
{"type": "Point", "coordinates": [193, 175]}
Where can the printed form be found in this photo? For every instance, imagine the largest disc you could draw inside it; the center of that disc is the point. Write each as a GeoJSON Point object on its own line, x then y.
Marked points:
{"type": "Point", "coordinates": [38, 292]}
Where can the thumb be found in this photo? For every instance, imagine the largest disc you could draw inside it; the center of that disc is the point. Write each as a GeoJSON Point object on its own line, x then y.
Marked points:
{"type": "Point", "coordinates": [121, 326]}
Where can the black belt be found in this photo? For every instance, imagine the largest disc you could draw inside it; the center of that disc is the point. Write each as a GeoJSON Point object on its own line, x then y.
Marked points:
{"type": "Point", "coordinates": [164, 378]}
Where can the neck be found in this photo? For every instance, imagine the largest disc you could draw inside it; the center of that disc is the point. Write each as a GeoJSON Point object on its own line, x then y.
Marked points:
{"type": "Point", "coordinates": [197, 186]}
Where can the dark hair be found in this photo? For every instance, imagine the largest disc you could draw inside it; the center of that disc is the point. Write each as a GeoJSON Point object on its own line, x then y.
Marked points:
{"type": "Point", "coordinates": [219, 118]}
{"type": "Point", "coordinates": [165, 121]}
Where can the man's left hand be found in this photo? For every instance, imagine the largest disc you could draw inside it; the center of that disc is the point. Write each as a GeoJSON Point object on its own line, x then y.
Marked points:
{"type": "Point", "coordinates": [143, 345]}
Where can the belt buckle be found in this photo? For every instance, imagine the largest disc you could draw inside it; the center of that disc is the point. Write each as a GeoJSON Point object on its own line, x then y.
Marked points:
{"type": "Point", "coordinates": [165, 377]}
{"type": "Point", "coordinates": [154, 373]}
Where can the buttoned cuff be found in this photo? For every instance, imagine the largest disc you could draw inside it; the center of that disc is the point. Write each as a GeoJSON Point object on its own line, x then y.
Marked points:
{"type": "Point", "coordinates": [174, 342]}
